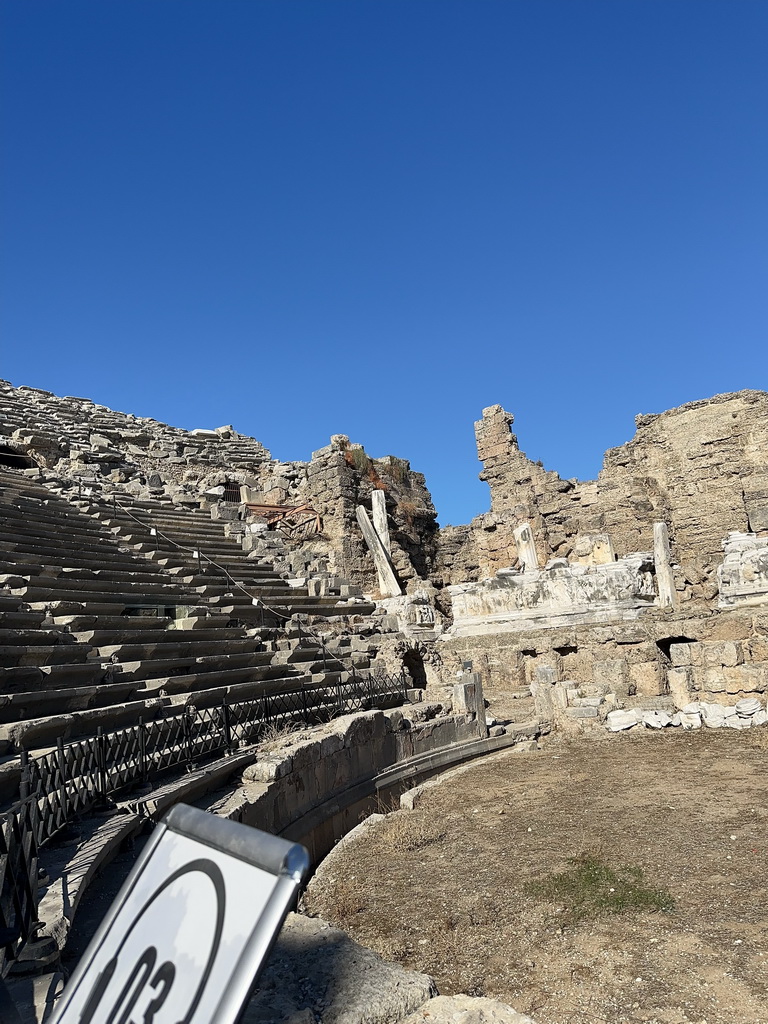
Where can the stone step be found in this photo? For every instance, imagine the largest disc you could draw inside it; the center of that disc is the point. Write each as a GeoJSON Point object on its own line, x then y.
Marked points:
{"type": "Point", "coordinates": [16, 707]}
{"type": "Point", "coordinates": [107, 639]}
{"type": "Point", "coordinates": [187, 649]}
{"type": "Point", "coordinates": [34, 594]}
{"type": "Point", "coordinates": [80, 623]}
{"type": "Point", "coordinates": [76, 556]}
{"type": "Point", "coordinates": [34, 637]}
{"type": "Point", "coordinates": [155, 668]}
{"type": "Point", "coordinates": [56, 654]}
{"type": "Point", "coordinates": [225, 677]}
{"type": "Point", "coordinates": [40, 734]}
{"type": "Point", "coordinates": [20, 620]}
{"type": "Point", "coordinates": [17, 527]}
{"type": "Point", "coordinates": [35, 677]}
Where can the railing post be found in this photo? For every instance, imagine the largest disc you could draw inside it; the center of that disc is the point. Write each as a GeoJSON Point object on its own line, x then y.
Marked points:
{"type": "Point", "coordinates": [143, 766]}
{"type": "Point", "coordinates": [304, 707]}
{"type": "Point", "coordinates": [101, 766]}
{"type": "Point", "coordinates": [322, 647]}
{"type": "Point", "coordinates": [63, 795]}
{"type": "Point", "coordinates": [24, 781]}
{"type": "Point", "coordinates": [298, 622]}
{"type": "Point", "coordinates": [404, 681]}
{"type": "Point", "coordinates": [186, 727]}
{"type": "Point", "coordinates": [226, 726]}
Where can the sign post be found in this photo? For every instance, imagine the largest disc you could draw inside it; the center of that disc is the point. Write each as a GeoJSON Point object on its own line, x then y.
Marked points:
{"type": "Point", "coordinates": [189, 931]}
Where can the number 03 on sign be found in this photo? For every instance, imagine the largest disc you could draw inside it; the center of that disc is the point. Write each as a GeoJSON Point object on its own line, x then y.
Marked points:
{"type": "Point", "coordinates": [187, 935]}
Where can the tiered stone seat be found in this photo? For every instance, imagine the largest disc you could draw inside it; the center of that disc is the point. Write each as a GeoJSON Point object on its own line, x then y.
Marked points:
{"type": "Point", "coordinates": [90, 624]}
{"type": "Point", "coordinates": [194, 530]}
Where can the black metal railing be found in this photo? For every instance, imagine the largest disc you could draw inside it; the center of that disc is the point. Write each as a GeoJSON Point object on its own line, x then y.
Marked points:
{"type": "Point", "coordinates": [58, 787]}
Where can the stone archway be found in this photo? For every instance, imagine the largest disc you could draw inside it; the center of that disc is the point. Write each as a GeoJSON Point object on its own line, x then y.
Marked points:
{"type": "Point", "coordinates": [413, 663]}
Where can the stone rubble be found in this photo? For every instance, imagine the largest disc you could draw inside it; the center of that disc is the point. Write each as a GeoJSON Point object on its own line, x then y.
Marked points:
{"type": "Point", "coordinates": [743, 715]}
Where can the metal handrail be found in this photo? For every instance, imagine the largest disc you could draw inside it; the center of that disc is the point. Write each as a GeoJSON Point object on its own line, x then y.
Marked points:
{"type": "Point", "coordinates": [58, 787]}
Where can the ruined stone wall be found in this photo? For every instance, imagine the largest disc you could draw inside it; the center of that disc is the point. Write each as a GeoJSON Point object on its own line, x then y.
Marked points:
{"type": "Point", "coordinates": [721, 656]}
{"type": "Point", "coordinates": [701, 468]}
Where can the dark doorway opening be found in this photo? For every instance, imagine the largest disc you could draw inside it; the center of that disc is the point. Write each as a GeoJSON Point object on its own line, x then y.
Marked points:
{"type": "Point", "coordinates": [232, 491]}
{"type": "Point", "coordinates": [413, 663]}
{"type": "Point", "coordinates": [14, 459]}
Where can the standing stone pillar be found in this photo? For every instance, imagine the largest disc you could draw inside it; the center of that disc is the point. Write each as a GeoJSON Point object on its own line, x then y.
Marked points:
{"type": "Point", "coordinates": [526, 549]}
{"type": "Point", "coordinates": [388, 585]}
{"type": "Point", "coordinates": [662, 560]}
{"type": "Point", "coordinates": [468, 699]}
{"type": "Point", "coordinates": [380, 523]}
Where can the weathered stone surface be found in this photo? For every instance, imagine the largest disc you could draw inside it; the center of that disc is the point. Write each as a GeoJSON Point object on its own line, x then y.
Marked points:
{"type": "Point", "coordinates": [318, 973]}
{"type": "Point", "coordinates": [743, 576]}
{"type": "Point", "coordinates": [514, 602]}
{"type": "Point", "coordinates": [466, 1010]}
{"type": "Point", "coordinates": [616, 721]}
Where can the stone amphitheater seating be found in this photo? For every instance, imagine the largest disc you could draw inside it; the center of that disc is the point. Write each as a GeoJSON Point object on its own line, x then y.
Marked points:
{"type": "Point", "coordinates": [102, 624]}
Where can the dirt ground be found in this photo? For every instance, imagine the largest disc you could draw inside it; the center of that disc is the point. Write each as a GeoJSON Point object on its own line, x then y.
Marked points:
{"type": "Point", "coordinates": [447, 888]}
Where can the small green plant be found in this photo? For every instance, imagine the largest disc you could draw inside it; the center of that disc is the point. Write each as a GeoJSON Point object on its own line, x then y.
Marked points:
{"type": "Point", "coordinates": [357, 457]}
{"type": "Point", "coordinates": [399, 470]}
{"type": "Point", "coordinates": [591, 887]}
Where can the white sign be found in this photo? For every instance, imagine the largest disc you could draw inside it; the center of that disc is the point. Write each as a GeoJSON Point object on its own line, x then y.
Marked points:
{"type": "Point", "coordinates": [189, 931]}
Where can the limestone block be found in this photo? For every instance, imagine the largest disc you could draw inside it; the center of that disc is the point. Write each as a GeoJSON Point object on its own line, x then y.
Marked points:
{"type": "Point", "coordinates": [614, 672]}
{"type": "Point", "coordinates": [712, 680]}
{"type": "Point", "coordinates": [748, 707]}
{"type": "Point", "coordinates": [574, 712]}
{"type": "Point", "coordinates": [616, 721]}
{"type": "Point", "coordinates": [343, 981]}
{"type": "Point", "coordinates": [656, 719]}
{"type": "Point", "coordinates": [689, 721]}
{"type": "Point", "coordinates": [745, 679]}
{"type": "Point", "coordinates": [680, 654]}
{"type": "Point", "coordinates": [678, 683]}
{"type": "Point", "coordinates": [646, 677]}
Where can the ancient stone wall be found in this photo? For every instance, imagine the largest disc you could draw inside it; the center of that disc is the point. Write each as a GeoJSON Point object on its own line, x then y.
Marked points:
{"type": "Point", "coordinates": [700, 468]}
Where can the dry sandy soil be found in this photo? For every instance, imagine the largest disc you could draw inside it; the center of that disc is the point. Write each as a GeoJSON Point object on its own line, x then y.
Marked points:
{"type": "Point", "coordinates": [449, 887]}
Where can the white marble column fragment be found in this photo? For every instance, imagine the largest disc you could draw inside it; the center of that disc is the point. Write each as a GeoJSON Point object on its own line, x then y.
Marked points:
{"type": "Point", "coordinates": [663, 563]}
{"type": "Point", "coordinates": [380, 523]}
{"type": "Point", "coordinates": [388, 585]}
{"type": "Point", "coordinates": [526, 549]}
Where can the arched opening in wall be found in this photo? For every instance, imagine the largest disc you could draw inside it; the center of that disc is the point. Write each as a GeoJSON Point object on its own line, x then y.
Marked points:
{"type": "Point", "coordinates": [232, 492]}
{"type": "Point", "coordinates": [413, 663]}
{"type": "Point", "coordinates": [15, 460]}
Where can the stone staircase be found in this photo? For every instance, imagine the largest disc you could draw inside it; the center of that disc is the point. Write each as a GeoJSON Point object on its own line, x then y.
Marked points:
{"type": "Point", "coordinates": [99, 628]}
{"type": "Point", "coordinates": [193, 529]}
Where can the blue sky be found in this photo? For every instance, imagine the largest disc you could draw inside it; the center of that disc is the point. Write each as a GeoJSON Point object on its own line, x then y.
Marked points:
{"type": "Point", "coordinates": [376, 218]}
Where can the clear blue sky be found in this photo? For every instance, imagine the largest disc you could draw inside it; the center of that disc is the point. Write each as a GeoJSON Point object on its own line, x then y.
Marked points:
{"type": "Point", "coordinates": [376, 218]}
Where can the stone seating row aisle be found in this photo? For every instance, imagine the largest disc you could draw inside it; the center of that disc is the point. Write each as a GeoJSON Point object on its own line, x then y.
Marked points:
{"type": "Point", "coordinates": [94, 634]}
{"type": "Point", "coordinates": [260, 597]}
{"type": "Point", "coordinates": [193, 530]}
